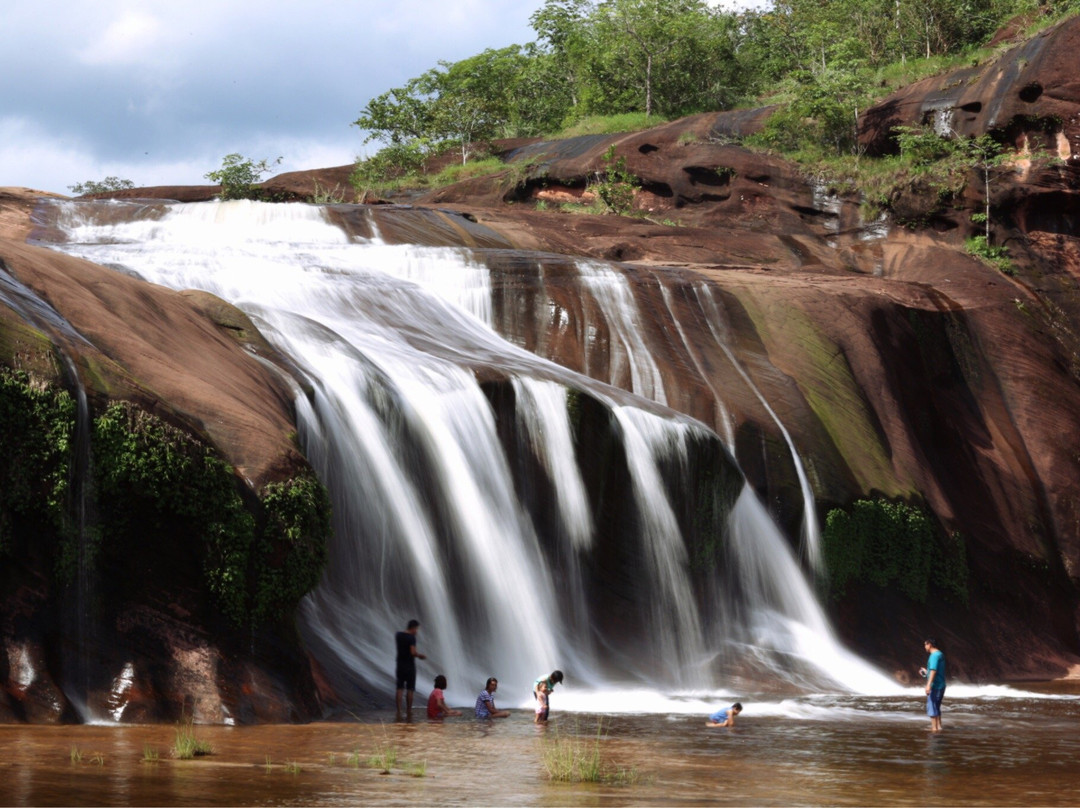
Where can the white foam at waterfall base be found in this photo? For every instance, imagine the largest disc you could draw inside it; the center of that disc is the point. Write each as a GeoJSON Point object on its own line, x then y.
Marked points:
{"type": "Point", "coordinates": [787, 629]}
{"type": "Point", "coordinates": [427, 521]}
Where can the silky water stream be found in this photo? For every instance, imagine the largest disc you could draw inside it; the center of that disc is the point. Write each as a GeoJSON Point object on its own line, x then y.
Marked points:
{"type": "Point", "coordinates": [389, 338]}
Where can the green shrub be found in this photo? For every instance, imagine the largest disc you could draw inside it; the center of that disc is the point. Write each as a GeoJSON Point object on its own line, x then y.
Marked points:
{"type": "Point", "coordinates": [238, 176]}
{"type": "Point", "coordinates": [104, 186]}
{"type": "Point", "coordinates": [154, 478]}
{"type": "Point", "coordinates": [615, 185]}
{"type": "Point", "coordinates": [891, 545]}
{"type": "Point", "coordinates": [997, 255]}
{"type": "Point", "coordinates": [389, 166]}
{"type": "Point", "coordinates": [292, 547]}
{"type": "Point", "coordinates": [37, 429]}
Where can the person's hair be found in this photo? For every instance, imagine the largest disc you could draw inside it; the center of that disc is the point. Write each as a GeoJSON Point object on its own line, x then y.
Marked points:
{"type": "Point", "coordinates": [556, 676]}
{"type": "Point", "coordinates": [490, 679]}
{"type": "Point", "coordinates": [440, 682]}
{"type": "Point", "coordinates": [412, 624]}
{"type": "Point", "coordinates": [930, 641]}
{"type": "Point", "coordinates": [737, 706]}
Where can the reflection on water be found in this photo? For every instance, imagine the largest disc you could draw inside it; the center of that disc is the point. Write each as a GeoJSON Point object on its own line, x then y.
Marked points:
{"type": "Point", "coordinates": [999, 748]}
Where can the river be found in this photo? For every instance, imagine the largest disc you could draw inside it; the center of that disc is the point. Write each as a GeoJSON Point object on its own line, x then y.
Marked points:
{"type": "Point", "coordinates": [1000, 746]}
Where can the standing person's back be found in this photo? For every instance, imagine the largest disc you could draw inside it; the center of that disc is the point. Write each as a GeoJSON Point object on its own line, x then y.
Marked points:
{"type": "Point", "coordinates": [405, 668]}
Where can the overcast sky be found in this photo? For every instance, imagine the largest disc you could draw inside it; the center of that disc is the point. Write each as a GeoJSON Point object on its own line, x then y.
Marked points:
{"type": "Point", "coordinates": [158, 92]}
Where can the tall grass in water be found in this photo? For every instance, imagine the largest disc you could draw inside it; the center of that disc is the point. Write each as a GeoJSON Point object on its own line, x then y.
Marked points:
{"type": "Point", "coordinates": [187, 745]}
{"type": "Point", "coordinates": [385, 757]}
{"type": "Point", "coordinates": [577, 759]}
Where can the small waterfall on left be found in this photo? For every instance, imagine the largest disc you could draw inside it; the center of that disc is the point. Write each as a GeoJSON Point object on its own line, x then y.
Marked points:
{"type": "Point", "coordinates": [530, 517]}
{"type": "Point", "coordinates": [82, 609]}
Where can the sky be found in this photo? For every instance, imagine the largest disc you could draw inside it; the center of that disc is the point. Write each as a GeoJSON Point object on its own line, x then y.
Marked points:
{"type": "Point", "coordinates": [159, 92]}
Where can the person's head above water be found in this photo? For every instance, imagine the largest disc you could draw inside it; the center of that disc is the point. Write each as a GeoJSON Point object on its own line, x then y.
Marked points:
{"type": "Point", "coordinates": [737, 707]}
{"type": "Point", "coordinates": [556, 677]}
{"type": "Point", "coordinates": [440, 682]}
{"type": "Point", "coordinates": [491, 684]}
{"type": "Point", "coordinates": [413, 624]}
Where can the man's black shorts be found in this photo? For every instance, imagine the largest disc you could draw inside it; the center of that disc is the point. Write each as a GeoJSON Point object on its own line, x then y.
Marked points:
{"type": "Point", "coordinates": [405, 677]}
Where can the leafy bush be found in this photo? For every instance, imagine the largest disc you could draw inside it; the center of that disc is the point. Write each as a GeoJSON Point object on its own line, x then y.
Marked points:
{"type": "Point", "coordinates": [156, 479]}
{"type": "Point", "coordinates": [37, 428]}
{"type": "Point", "coordinates": [389, 165]}
{"type": "Point", "coordinates": [892, 545]}
{"type": "Point", "coordinates": [238, 176]}
{"type": "Point", "coordinates": [994, 254]}
{"type": "Point", "coordinates": [615, 185]}
{"type": "Point", "coordinates": [292, 544]}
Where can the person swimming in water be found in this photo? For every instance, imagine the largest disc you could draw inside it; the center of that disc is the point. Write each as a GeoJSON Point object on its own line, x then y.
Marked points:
{"type": "Point", "coordinates": [725, 717]}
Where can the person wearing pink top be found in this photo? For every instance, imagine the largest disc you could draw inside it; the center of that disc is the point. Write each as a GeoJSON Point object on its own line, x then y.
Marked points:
{"type": "Point", "coordinates": [436, 704]}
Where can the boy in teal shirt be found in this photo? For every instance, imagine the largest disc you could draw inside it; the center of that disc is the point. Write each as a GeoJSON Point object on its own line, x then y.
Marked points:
{"type": "Point", "coordinates": [935, 683]}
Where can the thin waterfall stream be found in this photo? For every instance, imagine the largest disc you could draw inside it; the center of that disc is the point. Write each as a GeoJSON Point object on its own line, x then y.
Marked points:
{"type": "Point", "coordinates": [432, 518]}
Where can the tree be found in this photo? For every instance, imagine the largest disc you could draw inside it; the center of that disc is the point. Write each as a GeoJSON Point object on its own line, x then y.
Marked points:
{"type": "Point", "coordinates": [460, 103]}
{"type": "Point", "coordinates": [238, 176]}
{"type": "Point", "coordinates": [107, 185]}
{"type": "Point", "coordinates": [671, 57]}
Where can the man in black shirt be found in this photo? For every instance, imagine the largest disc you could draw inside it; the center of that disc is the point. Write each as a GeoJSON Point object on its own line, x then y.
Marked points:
{"type": "Point", "coordinates": [405, 668]}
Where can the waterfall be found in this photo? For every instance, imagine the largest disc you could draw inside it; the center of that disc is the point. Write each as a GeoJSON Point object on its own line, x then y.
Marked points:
{"type": "Point", "coordinates": [39, 314]}
{"type": "Point", "coordinates": [628, 353]}
{"type": "Point", "coordinates": [86, 573]}
{"type": "Point", "coordinates": [420, 460]}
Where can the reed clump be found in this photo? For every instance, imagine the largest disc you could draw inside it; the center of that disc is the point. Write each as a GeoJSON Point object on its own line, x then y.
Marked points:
{"type": "Point", "coordinates": [187, 744]}
{"type": "Point", "coordinates": [576, 759]}
{"type": "Point", "coordinates": [385, 757]}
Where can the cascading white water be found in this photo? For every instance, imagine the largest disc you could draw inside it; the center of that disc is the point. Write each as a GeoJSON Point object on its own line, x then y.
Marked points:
{"type": "Point", "coordinates": [428, 523]}
{"type": "Point", "coordinates": [542, 408]}
{"type": "Point", "coordinates": [627, 349]}
{"type": "Point", "coordinates": [673, 612]}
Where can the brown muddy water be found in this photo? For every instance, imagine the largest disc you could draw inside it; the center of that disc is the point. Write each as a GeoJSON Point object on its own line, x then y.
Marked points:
{"type": "Point", "coordinates": [1015, 749]}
